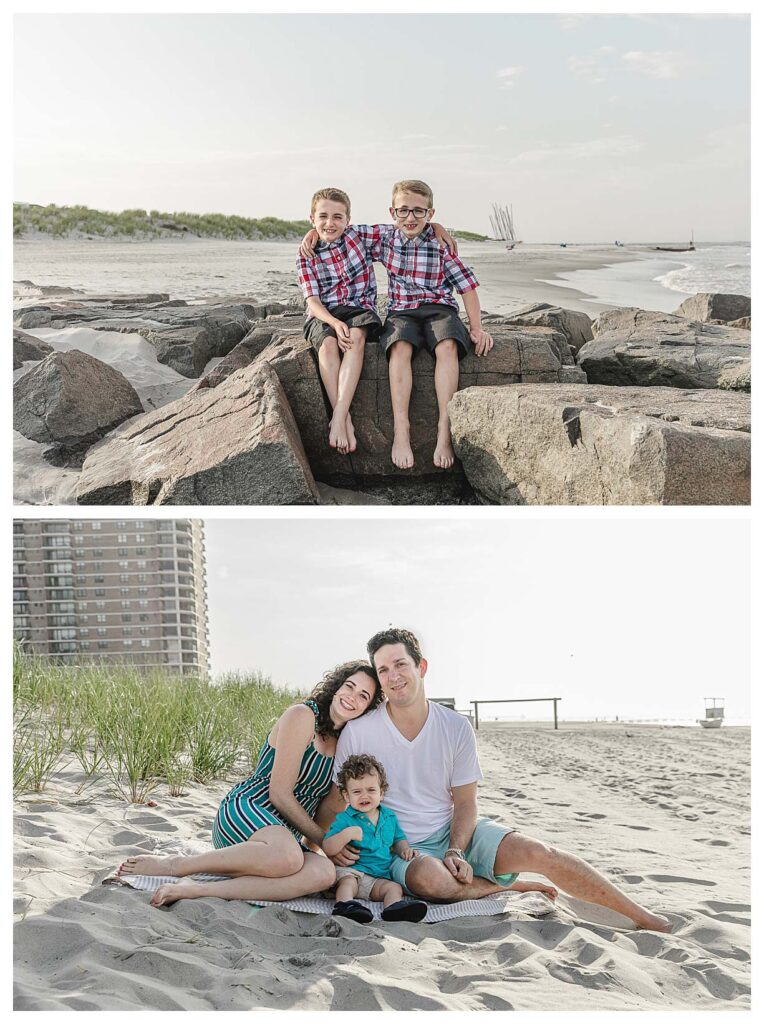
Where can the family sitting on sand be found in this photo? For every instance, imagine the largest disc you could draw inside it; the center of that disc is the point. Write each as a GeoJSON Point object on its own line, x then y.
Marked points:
{"type": "Point", "coordinates": [311, 816]}
{"type": "Point", "coordinates": [336, 274]}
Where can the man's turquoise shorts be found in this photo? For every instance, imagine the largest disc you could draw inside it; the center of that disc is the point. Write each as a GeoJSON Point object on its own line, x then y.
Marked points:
{"type": "Point", "coordinates": [480, 854]}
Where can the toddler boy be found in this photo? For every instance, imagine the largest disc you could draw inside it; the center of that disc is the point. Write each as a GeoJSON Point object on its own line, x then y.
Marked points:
{"type": "Point", "coordinates": [374, 829]}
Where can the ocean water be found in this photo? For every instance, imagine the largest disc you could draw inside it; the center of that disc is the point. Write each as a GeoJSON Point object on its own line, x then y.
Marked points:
{"type": "Point", "coordinates": [662, 281]}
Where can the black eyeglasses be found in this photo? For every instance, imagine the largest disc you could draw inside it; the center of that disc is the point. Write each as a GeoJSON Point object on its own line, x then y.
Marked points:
{"type": "Point", "coordinates": [418, 211]}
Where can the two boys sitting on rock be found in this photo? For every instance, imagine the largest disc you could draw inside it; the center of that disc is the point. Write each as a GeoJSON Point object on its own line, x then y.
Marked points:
{"type": "Point", "coordinates": [337, 280]}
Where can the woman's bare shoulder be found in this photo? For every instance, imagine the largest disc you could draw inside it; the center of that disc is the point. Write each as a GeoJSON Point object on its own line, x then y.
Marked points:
{"type": "Point", "coordinates": [297, 719]}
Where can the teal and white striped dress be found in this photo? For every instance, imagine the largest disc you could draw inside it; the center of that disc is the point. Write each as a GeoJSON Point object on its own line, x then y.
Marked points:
{"type": "Point", "coordinates": [247, 807]}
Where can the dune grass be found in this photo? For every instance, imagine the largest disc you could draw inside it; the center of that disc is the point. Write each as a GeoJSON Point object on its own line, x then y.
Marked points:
{"type": "Point", "coordinates": [63, 221]}
{"type": "Point", "coordinates": [136, 729]}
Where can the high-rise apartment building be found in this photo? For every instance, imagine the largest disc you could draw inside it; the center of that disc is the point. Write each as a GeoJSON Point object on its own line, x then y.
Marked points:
{"type": "Point", "coordinates": [120, 590]}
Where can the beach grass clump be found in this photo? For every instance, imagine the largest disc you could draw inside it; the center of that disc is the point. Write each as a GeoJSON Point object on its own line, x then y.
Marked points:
{"type": "Point", "coordinates": [137, 729]}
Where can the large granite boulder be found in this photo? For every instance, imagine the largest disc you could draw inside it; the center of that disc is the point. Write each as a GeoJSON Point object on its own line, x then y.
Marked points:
{"type": "Point", "coordinates": [576, 327]}
{"type": "Point", "coordinates": [714, 306]}
{"type": "Point", "coordinates": [520, 354]}
{"type": "Point", "coordinates": [632, 346]}
{"type": "Point", "coordinates": [236, 444]}
{"type": "Point", "coordinates": [27, 348]}
{"type": "Point", "coordinates": [185, 337]}
{"type": "Point", "coordinates": [554, 444]}
{"type": "Point", "coordinates": [72, 399]}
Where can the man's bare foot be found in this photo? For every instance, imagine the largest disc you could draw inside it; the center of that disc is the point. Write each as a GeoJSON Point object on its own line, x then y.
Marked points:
{"type": "Point", "coordinates": [338, 437]}
{"type": "Point", "coordinates": [146, 865]}
{"type": "Point", "coordinates": [352, 443]}
{"type": "Point", "coordinates": [653, 923]}
{"type": "Point", "coordinates": [403, 456]}
{"type": "Point", "coordinates": [543, 887]}
{"type": "Point", "coordinates": [172, 891]}
{"type": "Point", "coordinates": [443, 456]}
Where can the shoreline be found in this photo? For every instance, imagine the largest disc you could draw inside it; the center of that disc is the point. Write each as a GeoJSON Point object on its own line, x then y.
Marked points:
{"type": "Point", "coordinates": [509, 280]}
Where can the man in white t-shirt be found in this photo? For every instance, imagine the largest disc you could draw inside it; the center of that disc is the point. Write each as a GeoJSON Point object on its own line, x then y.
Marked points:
{"type": "Point", "coordinates": [430, 757]}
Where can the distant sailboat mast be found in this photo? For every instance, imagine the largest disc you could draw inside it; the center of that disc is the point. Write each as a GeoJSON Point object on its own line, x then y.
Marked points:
{"type": "Point", "coordinates": [503, 224]}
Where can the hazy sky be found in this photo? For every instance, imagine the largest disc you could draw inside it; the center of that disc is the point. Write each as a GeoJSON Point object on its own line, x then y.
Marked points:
{"type": "Point", "coordinates": [639, 618]}
{"type": "Point", "coordinates": [594, 127]}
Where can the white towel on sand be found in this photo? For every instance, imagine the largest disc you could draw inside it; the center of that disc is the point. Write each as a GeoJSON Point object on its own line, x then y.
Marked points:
{"type": "Point", "coordinates": [514, 904]}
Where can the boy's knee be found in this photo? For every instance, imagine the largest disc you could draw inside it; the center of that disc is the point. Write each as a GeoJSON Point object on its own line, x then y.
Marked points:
{"type": "Point", "coordinates": [401, 350]}
{"type": "Point", "coordinates": [358, 336]}
{"type": "Point", "coordinates": [329, 347]}
{"type": "Point", "coordinates": [446, 349]}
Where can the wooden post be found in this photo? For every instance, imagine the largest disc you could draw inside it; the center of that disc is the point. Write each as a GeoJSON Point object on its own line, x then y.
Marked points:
{"type": "Point", "coordinates": [475, 705]}
{"type": "Point", "coordinates": [555, 712]}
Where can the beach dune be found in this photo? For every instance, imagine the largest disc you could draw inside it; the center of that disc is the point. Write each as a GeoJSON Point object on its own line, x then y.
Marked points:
{"type": "Point", "coordinates": [662, 811]}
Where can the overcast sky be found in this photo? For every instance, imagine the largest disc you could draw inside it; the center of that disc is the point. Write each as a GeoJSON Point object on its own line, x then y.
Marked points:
{"type": "Point", "coordinates": [594, 127]}
{"type": "Point", "coordinates": [637, 618]}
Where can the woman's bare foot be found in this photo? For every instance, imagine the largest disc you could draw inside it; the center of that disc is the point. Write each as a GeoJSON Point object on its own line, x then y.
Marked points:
{"type": "Point", "coordinates": [146, 865]}
{"type": "Point", "coordinates": [653, 922]}
{"type": "Point", "coordinates": [443, 456]}
{"type": "Point", "coordinates": [543, 887]}
{"type": "Point", "coordinates": [172, 891]}
{"type": "Point", "coordinates": [352, 443]}
{"type": "Point", "coordinates": [338, 436]}
{"type": "Point", "coordinates": [403, 456]}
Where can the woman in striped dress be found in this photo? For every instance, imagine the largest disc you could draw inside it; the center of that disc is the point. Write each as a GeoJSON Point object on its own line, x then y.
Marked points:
{"type": "Point", "coordinates": [263, 822]}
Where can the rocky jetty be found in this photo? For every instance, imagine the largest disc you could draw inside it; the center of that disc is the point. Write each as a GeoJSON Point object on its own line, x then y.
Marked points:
{"type": "Point", "coordinates": [631, 346]}
{"type": "Point", "coordinates": [71, 400]}
{"type": "Point", "coordinates": [638, 407]}
{"type": "Point", "coordinates": [235, 445]}
{"type": "Point", "coordinates": [27, 348]}
{"type": "Point", "coordinates": [588, 445]}
{"type": "Point", "coordinates": [716, 307]}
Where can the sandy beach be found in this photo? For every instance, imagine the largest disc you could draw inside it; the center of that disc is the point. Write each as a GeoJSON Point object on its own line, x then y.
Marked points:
{"type": "Point", "coordinates": [664, 811]}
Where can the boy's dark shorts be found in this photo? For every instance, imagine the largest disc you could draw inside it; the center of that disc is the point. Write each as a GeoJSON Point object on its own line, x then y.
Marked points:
{"type": "Point", "coordinates": [316, 330]}
{"type": "Point", "coordinates": [424, 327]}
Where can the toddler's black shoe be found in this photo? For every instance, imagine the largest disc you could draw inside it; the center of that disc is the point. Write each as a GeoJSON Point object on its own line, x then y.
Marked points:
{"type": "Point", "coordinates": [354, 910]}
{"type": "Point", "coordinates": [405, 910]}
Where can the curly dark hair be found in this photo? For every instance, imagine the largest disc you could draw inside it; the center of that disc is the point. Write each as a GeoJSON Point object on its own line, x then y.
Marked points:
{"type": "Point", "coordinates": [323, 693]}
{"type": "Point", "coordinates": [358, 765]}
{"type": "Point", "coordinates": [395, 636]}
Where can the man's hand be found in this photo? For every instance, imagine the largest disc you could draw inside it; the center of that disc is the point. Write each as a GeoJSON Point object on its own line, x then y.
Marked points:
{"type": "Point", "coordinates": [458, 867]}
{"type": "Point", "coordinates": [345, 344]}
{"type": "Point", "coordinates": [482, 341]}
{"type": "Point", "coordinates": [308, 244]}
{"type": "Point", "coordinates": [346, 858]}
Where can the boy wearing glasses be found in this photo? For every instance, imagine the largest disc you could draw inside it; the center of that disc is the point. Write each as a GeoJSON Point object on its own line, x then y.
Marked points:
{"type": "Point", "coordinates": [423, 314]}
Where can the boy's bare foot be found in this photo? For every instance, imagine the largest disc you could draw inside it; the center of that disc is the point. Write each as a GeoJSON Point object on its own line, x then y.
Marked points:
{"type": "Point", "coordinates": [443, 456]}
{"type": "Point", "coordinates": [338, 437]}
{"type": "Point", "coordinates": [543, 887]}
{"type": "Point", "coordinates": [172, 891]}
{"type": "Point", "coordinates": [352, 443]}
{"type": "Point", "coordinates": [403, 456]}
{"type": "Point", "coordinates": [146, 865]}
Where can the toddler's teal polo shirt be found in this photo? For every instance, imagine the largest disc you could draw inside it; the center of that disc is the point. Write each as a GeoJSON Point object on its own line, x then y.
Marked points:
{"type": "Point", "coordinates": [375, 856]}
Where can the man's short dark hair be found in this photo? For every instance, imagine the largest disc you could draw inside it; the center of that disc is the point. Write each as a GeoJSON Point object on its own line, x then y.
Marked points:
{"type": "Point", "coordinates": [395, 636]}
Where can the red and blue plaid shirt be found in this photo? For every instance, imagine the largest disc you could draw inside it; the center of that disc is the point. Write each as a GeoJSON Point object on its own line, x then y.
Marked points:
{"type": "Point", "coordinates": [340, 273]}
{"type": "Point", "coordinates": [419, 269]}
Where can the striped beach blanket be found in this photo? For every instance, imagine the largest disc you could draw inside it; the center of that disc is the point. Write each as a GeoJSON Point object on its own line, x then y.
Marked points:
{"type": "Point", "coordinates": [517, 905]}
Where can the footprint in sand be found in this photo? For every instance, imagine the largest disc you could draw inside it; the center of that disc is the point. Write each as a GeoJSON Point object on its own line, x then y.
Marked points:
{"type": "Point", "coordinates": [713, 842]}
{"type": "Point", "coordinates": [589, 814]}
{"type": "Point", "coordinates": [679, 878]}
{"type": "Point", "coordinates": [155, 824]}
{"type": "Point", "coordinates": [638, 828]}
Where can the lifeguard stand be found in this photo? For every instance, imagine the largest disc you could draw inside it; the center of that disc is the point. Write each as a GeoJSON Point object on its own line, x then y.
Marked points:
{"type": "Point", "coordinates": [714, 713]}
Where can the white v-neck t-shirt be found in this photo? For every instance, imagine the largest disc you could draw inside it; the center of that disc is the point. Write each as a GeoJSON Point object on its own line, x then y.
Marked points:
{"type": "Point", "coordinates": [422, 771]}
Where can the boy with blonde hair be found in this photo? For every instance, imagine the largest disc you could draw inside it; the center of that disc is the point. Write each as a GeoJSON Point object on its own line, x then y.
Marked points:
{"type": "Point", "coordinates": [341, 294]}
